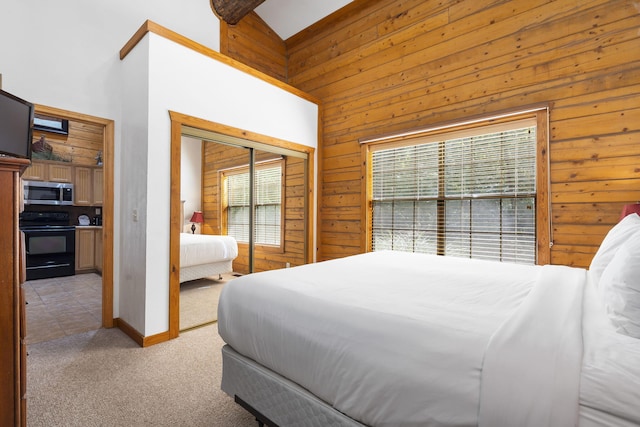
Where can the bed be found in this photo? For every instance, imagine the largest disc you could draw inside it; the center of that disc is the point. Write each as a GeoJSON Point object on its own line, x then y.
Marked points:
{"type": "Point", "coordinates": [402, 339]}
{"type": "Point", "coordinates": [204, 255]}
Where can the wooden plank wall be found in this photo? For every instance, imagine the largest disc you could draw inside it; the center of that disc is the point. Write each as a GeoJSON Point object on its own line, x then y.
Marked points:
{"type": "Point", "coordinates": [80, 146]}
{"type": "Point", "coordinates": [253, 42]}
{"type": "Point", "coordinates": [217, 157]}
{"type": "Point", "coordinates": [383, 66]}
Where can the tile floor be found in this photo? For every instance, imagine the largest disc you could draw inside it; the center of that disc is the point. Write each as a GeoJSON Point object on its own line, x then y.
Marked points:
{"type": "Point", "coordinates": [69, 305]}
{"type": "Point", "coordinates": [62, 306]}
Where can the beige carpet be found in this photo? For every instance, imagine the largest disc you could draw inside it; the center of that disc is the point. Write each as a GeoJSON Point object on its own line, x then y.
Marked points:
{"type": "Point", "coordinates": [199, 301]}
{"type": "Point", "coordinates": [102, 378]}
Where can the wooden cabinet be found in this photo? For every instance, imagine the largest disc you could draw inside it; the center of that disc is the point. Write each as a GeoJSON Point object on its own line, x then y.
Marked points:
{"type": "Point", "coordinates": [87, 186]}
{"type": "Point", "coordinates": [13, 370]}
{"type": "Point", "coordinates": [59, 173]}
{"type": "Point", "coordinates": [98, 184]}
{"type": "Point", "coordinates": [85, 248]}
{"type": "Point", "coordinates": [88, 249]}
{"type": "Point", "coordinates": [36, 172]}
{"type": "Point", "coordinates": [49, 171]}
{"type": "Point", "coordinates": [98, 250]}
{"type": "Point", "coordinates": [82, 184]}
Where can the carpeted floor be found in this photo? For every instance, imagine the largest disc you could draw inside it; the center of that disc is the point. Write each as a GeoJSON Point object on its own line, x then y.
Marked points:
{"type": "Point", "coordinates": [102, 378]}
{"type": "Point", "coordinates": [199, 301]}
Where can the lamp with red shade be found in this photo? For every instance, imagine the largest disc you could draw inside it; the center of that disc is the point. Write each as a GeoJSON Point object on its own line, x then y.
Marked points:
{"type": "Point", "coordinates": [629, 209]}
{"type": "Point", "coordinates": [197, 217]}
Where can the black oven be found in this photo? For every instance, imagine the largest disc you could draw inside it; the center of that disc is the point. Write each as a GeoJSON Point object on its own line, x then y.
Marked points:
{"type": "Point", "coordinates": [49, 243]}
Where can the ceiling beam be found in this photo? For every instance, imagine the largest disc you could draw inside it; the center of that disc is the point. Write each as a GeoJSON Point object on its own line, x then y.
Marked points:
{"type": "Point", "coordinates": [232, 11]}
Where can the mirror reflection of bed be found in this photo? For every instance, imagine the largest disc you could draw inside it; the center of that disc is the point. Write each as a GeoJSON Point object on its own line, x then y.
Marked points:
{"type": "Point", "coordinates": [206, 265]}
{"type": "Point", "coordinates": [210, 172]}
{"type": "Point", "coordinates": [206, 261]}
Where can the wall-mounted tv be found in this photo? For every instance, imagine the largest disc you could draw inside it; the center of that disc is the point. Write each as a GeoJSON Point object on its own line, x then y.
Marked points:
{"type": "Point", "coordinates": [16, 122]}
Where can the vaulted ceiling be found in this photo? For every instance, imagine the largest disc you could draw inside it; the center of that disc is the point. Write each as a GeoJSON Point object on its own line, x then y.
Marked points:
{"type": "Point", "coordinates": [285, 17]}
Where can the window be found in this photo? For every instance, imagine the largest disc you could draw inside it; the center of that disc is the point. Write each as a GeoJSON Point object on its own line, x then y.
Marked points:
{"type": "Point", "coordinates": [268, 203]}
{"type": "Point", "coordinates": [469, 192]}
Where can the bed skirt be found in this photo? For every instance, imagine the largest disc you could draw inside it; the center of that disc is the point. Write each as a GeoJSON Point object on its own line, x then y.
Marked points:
{"type": "Point", "coordinates": [205, 270]}
{"type": "Point", "coordinates": [277, 398]}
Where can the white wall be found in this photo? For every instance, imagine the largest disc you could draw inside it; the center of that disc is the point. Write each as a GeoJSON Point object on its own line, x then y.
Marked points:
{"type": "Point", "coordinates": [191, 179]}
{"type": "Point", "coordinates": [185, 81]}
{"type": "Point", "coordinates": [133, 195]}
{"type": "Point", "coordinates": [65, 54]}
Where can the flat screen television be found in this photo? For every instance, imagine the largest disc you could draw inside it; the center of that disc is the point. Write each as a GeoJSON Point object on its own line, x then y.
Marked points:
{"type": "Point", "coordinates": [16, 126]}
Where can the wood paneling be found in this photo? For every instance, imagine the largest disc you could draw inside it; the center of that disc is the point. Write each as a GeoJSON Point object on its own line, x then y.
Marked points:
{"type": "Point", "coordinates": [80, 146]}
{"type": "Point", "coordinates": [253, 42]}
{"type": "Point", "coordinates": [217, 158]}
{"type": "Point", "coordinates": [385, 66]}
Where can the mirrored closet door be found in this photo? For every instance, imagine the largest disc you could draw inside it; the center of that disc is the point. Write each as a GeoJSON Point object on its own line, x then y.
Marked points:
{"type": "Point", "coordinates": [257, 194]}
{"type": "Point", "coordinates": [253, 192]}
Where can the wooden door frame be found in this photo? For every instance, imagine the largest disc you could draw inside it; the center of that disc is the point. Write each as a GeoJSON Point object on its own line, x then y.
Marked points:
{"type": "Point", "coordinates": [107, 205]}
{"type": "Point", "coordinates": [177, 121]}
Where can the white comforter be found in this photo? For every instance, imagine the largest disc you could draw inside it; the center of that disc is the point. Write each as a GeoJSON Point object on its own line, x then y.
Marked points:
{"type": "Point", "coordinates": [531, 370]}
{"type": "Point", "coordinates": [196, 249]}
{"type": "Point", "coordinates": [397, 339]}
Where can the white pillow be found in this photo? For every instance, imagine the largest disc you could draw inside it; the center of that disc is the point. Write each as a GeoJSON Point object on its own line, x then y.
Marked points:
{"type": "Point", "coordinates": [619, 234]}
{"type": "Point", "coordinates": [620, 288]}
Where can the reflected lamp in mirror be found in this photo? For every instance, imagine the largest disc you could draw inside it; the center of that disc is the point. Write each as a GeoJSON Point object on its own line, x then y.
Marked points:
{"type": "Point", "coordinates": [629, 209]}
{"type": "Point", "coordinates": [196, 218]}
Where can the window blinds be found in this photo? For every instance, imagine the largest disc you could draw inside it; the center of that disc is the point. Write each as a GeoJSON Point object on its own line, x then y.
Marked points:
{"type": "Point", "coordinates": [268, 189]}
{"type": "Point", "coordinates": [470, 194]}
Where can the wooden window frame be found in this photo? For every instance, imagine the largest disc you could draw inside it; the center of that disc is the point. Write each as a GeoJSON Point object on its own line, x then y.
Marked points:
{"type": "Point", "coordinates": [544, 239]}
{"type": "Point", "coordinates": [224, 199]}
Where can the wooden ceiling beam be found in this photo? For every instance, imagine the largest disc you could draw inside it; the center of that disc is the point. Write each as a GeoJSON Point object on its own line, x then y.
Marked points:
{"type": "Point", "coordinates": [232, 11]}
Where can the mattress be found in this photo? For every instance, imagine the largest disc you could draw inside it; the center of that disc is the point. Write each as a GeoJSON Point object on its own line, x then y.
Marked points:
{"type": "Point", "coordinates": [376, 329]}
{"type": "Point", "coordinates": [196, 249]}
{"type": "Point", "coordinates": [396, 339]}
{"type": "Point", "coordinates": [280, 399]}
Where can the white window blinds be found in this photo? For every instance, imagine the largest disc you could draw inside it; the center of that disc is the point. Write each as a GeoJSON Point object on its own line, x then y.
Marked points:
{"type": "Point", "coordinates": [268, 189]}
{"type": "Point", "coordinates": [470, 194]}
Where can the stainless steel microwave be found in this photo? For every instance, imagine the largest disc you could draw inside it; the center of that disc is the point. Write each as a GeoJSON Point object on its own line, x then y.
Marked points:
{"type": "Point", "coordinates": [47, 193]}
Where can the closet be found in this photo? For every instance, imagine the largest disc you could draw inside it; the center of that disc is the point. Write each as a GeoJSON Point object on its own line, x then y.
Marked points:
{"type": "Point", "coordinates": [273, 222]}
{"type": "Point", "coordinates": [269, 216]}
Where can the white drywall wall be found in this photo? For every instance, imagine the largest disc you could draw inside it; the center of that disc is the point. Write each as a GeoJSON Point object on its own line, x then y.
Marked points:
{"type": "Point", "coordinates": [182, 80]}
{"type": "Point", "coordinates": [191, 179]}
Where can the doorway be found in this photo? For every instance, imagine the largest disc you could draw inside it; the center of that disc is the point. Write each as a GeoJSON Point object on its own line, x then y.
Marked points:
{"type": "Point", "coordinates": [106, 127]}
{"type": "Point", "coordinates": [229, 151]}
